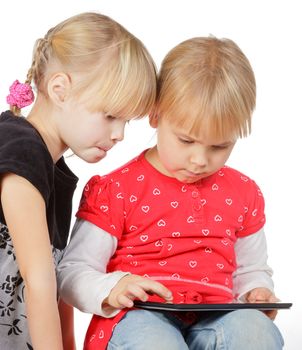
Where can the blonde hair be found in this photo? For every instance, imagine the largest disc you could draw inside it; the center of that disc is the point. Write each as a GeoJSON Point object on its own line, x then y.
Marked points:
{"type": "Point", "coordinates": [117, 72]}
{"type": "Point", "coordinates": [207, 85]}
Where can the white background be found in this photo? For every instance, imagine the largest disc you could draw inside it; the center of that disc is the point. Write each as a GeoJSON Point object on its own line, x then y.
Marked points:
{"type": "Point", "coordinates": [269, 32]}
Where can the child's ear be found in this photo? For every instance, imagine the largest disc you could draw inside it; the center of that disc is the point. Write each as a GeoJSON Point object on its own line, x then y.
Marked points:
{"type": "Point", "coordinates": [153, 119]}
{"type": "Point", "coordinates": [59, 87]}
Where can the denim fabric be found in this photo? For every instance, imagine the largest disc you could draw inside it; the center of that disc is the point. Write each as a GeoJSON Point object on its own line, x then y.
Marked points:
{"type": "Point", "coordinates": [236, 330]}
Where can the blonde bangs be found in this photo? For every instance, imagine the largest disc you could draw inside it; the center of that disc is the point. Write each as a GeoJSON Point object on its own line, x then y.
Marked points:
{"type": "Point", "coordinates": [207, 85]}
{"type": "Point", "coordinates": [124, 85]}
{"type": "Point", "coordinates": [212, 110]}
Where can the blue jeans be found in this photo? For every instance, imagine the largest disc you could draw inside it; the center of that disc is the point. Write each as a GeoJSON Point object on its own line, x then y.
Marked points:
{"type": "Point", "coordinates": [236, 330]}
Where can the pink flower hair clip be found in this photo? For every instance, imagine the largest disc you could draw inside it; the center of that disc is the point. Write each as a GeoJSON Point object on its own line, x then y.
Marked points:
{"type": "Point", "coordinates": [20, 95]}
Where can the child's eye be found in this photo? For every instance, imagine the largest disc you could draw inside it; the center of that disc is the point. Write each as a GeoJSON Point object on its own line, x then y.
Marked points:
{"type": "Point", "coordinates": [219, 147]}
{"type": "Point", "coordinates": [186, 141]}
{"type": "Point", "coordinates": [110, 117]}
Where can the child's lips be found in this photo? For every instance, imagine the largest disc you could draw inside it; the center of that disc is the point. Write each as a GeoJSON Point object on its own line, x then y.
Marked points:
{"type": "Point", "coordinates": [193, 174]}
{"type": "Point", "coordinates": [104, 149]}
{"type": "Point", "coordinates": [102, 152]}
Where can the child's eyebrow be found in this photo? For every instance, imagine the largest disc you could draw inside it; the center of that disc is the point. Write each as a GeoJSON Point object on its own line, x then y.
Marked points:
{"type": "Point", "coordinates": [227, 143]}
{"type": "Point", "coordinates": [192, 138]}
{"type": "Point", "coordinates": [180, 134]}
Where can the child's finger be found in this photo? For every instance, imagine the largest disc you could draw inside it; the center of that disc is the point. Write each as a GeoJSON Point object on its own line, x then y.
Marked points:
{"type": "Point", "coordinates": [136, 291]}
{"type": "Point", "coordinates": [124, 301]}
{"type": "Point", "coordinates": [273, 299]}
{"type": "Point", "coordinates": [271, 314]}
{"type": "Point", "coordinates": [156, 288]}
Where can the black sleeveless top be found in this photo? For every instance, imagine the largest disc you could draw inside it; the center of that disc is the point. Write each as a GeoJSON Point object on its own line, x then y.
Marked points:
{"type": "Point", "coordinates": [24, 153]}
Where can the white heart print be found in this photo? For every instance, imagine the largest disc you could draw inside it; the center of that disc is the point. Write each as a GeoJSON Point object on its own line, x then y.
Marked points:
{"type": "Point", "coordinates": [161, 223]}
{"type": "Point", "coordinates": [215, 187]}
{"type": "Point", "coordinates": [156, 192]}
{"type": "Point", "coordinates": [169, 247]}
{"type": "Point", "coordinates": [218, 218]}
{"type": "Point", "coordinates": [193, 263]}
{"type": "Point", "coordinates": [205, 232]}
{"type": "Point", "coordinates": [159, 243]}
{"type": "Point", "coordinates": [144, 238]}
{"type": "Point", "coordinates": [190, 220]}
{"type": "Point", "coordinates": [104, 208]}
{"type": "Point", "coordinates": [145, 208]}
{"type": "Point", "coordinates": [101, 334]}
{"type": "Point", "coordinates": [133, 198]}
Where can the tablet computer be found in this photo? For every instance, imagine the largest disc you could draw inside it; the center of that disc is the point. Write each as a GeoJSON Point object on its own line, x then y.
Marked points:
{"type": "Point", "coordinates": [210, 307]}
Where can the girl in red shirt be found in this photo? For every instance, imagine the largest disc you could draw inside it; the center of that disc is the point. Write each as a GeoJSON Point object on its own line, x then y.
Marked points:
{"type": "Point", "coordinates": [175, 223]}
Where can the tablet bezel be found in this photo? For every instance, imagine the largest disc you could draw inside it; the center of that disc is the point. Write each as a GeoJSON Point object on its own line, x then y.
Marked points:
{"type": "Point", "coordinates": [210, 307]}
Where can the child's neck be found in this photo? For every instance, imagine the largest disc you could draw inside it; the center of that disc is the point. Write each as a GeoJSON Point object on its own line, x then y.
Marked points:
{"type": "Point", "coordinates": [43, 120]}
{"type": "Point", "coordinates": [152, 157]}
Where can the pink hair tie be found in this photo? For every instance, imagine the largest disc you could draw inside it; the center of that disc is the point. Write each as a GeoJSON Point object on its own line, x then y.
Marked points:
{"type": "Point", "coordinates": [20, 95]}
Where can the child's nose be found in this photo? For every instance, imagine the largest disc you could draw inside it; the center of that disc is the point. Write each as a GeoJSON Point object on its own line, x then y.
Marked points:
{"type": "Point", "coordinates": [199, 158]}
{"type": "Point", "coordinates": [118, 133]}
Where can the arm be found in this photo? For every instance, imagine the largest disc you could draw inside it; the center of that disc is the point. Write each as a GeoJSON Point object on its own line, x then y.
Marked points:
{"type": "Point", "coordinates": [82, 278]}
{"type": "Point", "coordinates": [252, 268]}
{"type": "Point", "coordinates": [66, 317]}
{"type": "Point", "coordinates": [25, 215]}
{"type": "Point", "coordinates": [252, 281]}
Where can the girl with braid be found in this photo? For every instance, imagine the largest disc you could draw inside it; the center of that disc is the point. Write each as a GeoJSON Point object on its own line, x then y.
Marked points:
{"type": "Point", "coordinates": [91, 76]}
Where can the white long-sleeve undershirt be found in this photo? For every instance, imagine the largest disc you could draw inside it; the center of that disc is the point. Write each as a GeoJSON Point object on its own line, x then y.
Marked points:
{"type": "Point", "coordinates": [84, 283]}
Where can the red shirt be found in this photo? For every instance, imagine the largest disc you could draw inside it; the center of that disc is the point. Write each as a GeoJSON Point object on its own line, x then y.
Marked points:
{"type": "Point", "coordinates": [181, 235]}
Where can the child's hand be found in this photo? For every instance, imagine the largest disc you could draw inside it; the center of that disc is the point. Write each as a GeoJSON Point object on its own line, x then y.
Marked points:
{"type": "Point", "coordinates": [262, 295]}
{"type": "Point", "coordinates": [132, 287]}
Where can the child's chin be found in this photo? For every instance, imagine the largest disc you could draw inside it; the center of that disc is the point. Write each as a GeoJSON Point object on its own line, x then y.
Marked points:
{"type": "Point", "coordinates": [93, 158]}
